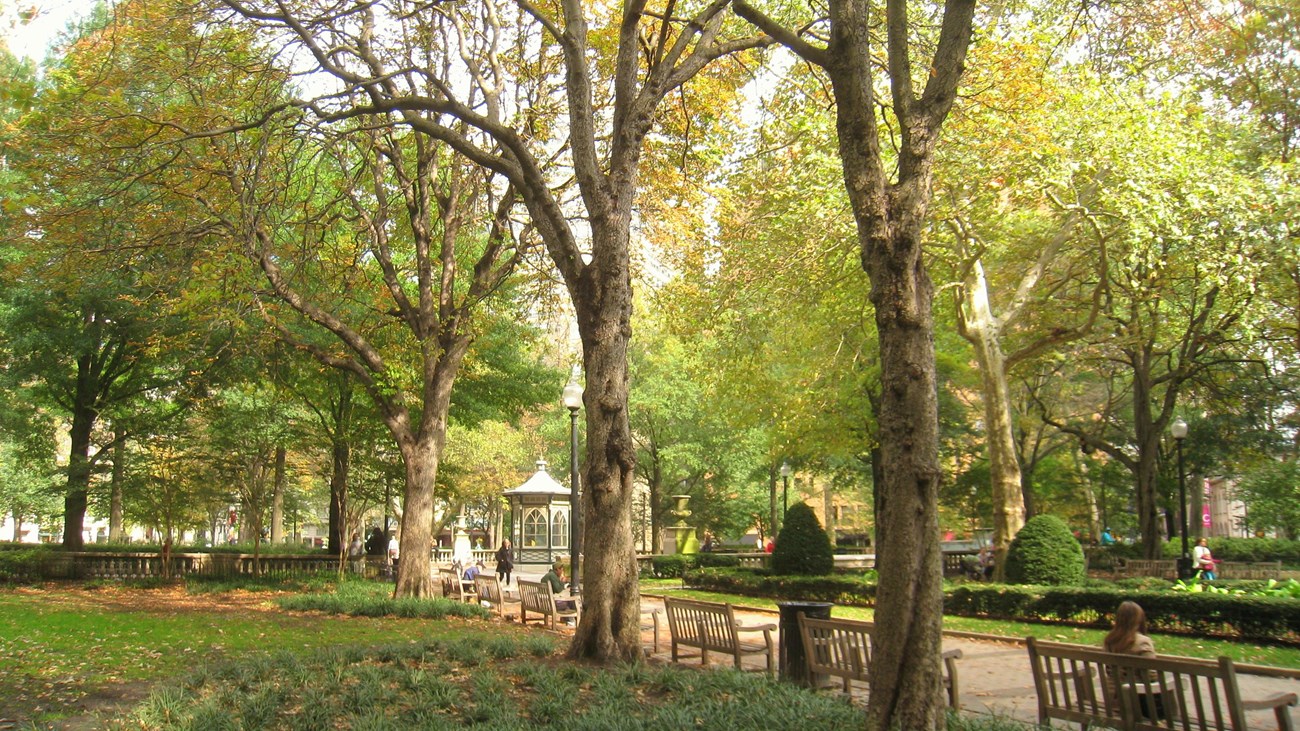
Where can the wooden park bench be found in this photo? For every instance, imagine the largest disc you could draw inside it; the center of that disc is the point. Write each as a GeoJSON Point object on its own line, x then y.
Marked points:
{"type": "Point", "coordinates": [1074, 683]}
{"type": "Point", "coordinates": [841, 648]}
{"type": "Point", "coordinates": [489, 591]}
{"type": "Point", "coordinates": [650, 621]}
{"type": "Point", "coordinates": [712, 627]}
{"type": "Point", "coordinates": [1166, 568]}
{"type": "Point", "coordinates": [453, 586]}
{"type": "Point", "coordinates": [536, 597]}
{"type": "Point", "coordinates": [1248, 569]}
{"type": "Point", "coordinates": [1163, 568]}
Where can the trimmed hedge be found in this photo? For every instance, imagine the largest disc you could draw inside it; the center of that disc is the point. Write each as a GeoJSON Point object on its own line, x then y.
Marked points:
{"type": "Point", "coordinates": [1243, 549]}
{"type": "Point", "coordinates": [1262, 619]}
{"type": "Point", "coordinates": [802, 547]}
{"type": "Point", "coordinates": [837, 588]}
{"type": "Point", "coordinates": [1225, 549]}
{"type": "Point", "coordinates": [1045, 552]}
{"type": "Point", "coordinates": [672, 566]}
{"type": "Point", "coordinates": [24, 562]}
{"type": "Point", "coordinates": [1259, 619]}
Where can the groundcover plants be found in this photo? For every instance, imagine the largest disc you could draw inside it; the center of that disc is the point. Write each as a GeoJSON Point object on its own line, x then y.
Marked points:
{"type": "Point", "coordinates": [491, 683]}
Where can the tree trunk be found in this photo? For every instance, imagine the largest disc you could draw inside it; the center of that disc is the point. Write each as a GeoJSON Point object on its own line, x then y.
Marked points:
{"type": "Point", "coordinates": [611, 611]}
{"type": "Point", "coordinates": [1147, 437]}
{"type": "Point", "coordinates": [1095, 523]}
{"type": "Point", "coordinates": [656, 502]}
{"type": "Point", "coordinates": [342, 453]}
{"type": "Point", "coordinates": [342, 450]}
{"type": "Point", "coordinates": [905, 674]}
{"type": "Point", "coordinates": [413, 571]}
{"type": "Point", "coordinates": [84, 415]}
{"type": "Point", "coordinates": [906, 682]}
{"type": "Point", "coordinates": [277, 499]}
{"type": "Point", "coordinates": [774, 512]}
{"type": "Point", "coordinates": [421, 456]}
{"type": "Point", "coordinates": [828, 507]}
{"type": "Point", "coordinates": [982, 330]}
{"type": "Point", "coordinates": [115, 532]}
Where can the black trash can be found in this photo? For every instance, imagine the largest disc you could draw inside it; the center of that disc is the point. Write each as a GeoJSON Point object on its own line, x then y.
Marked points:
{"type": "Point", "coordinates": [793, 665]}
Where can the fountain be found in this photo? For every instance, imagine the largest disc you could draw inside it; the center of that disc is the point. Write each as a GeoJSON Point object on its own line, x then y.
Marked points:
{"type": "Point", "coordinates": [680, 538]}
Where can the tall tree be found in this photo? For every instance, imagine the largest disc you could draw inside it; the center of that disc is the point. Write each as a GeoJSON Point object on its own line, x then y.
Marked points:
{"type": "Point", "coordinates": [614, 80]}
{"type": "Point", "coordinates": [1182, 309]}
{"type": "Point", "coordinates": [890, 209]}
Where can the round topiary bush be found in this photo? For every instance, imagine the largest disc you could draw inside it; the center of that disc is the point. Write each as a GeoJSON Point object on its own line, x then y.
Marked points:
{"type": "Point", "coordinates": [1044, 552]}
{"type": "Point", "coordinates": [802, 547]}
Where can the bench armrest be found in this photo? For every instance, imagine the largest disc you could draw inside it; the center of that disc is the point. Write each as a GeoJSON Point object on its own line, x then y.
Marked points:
{"type": "Point", "coordinates": [1274, 701]}
{"type": "Point", "coordinates": [954, 654]}
{"type": "Point", "coordinates": [1279, 704]}
{"type": "Point", "coordinates": [755, 627]}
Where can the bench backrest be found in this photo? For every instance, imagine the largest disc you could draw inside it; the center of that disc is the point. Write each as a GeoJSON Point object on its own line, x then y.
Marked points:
{"type": "Point", "coordinates": [838, 647]}
{"type": "Point", "coordinates": [1082, 684]}
{"type": "Point", "coordinates": [1249, 569]}
{"type": "Point", "coordinates": [707, 625]}
{"type": "Point", "coordinates": [488, 588]}
{"type": "Point", "coordinates": [536, 597]}
{"type": "Point", "coordinates": [1159, 567]}
{"type": "Point", "coordinates": [450, 583]}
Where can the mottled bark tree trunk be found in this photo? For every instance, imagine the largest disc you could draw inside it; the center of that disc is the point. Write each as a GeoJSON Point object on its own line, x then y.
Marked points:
{"type": "Point", "coordinates": [1146, 469]}
{"type": "Point", "coordinates": [421, 453]}
{"type": "Point", "coordinates": [602, 295]}
{"type": "Point", "coordinates": [890, 217]}
{"type": "Point", "coordinates": [981, 328]}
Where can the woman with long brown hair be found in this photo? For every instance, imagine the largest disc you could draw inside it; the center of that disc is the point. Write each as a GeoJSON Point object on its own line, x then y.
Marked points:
{"type": "Point", "coordinates": [1128, 637]}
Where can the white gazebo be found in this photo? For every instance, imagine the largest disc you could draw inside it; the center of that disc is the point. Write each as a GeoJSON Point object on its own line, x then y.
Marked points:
{"type": "Point", "coordinates": [539, 520]}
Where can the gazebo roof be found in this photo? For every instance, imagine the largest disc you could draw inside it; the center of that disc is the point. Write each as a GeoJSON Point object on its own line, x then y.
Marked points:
{"type": "Point", "coordinates": [540, 484]}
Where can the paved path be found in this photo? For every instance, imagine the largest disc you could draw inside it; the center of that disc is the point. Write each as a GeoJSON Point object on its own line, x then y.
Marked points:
{"type": "Point", "coordinates": [994, 674]}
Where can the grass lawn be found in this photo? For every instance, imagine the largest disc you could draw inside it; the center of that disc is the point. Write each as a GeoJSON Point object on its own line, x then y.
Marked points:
{"type": "Point", "coordinates": [86, 657]}
{"type": "Point", "coordinates": [1276, 656]}
{"type": "Point", "coordinates": [121, 658]}
{"type": "Point", "coordinates": [66, 647]}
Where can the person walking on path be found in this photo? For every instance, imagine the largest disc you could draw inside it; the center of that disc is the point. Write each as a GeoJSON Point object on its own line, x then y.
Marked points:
{"type": "Point", "coordinates": [1203, 560]}
{"type": "Point", "coordinates": [505, 564]}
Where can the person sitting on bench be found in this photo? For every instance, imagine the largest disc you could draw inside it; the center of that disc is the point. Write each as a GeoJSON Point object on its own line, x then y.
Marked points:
{"type": "Point", "coordinates": [555, 578]}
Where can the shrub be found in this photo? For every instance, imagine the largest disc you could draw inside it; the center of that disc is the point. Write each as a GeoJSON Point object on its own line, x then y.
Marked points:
{"type": "Point", "coordinates": [22, 562]}
{"type": "Point", "coordinates": [837, 588]}
{"type": "Point", "coordinates": [1255, 619]}
{"type": "Point", "coordinates": [716, 560]}
{"type": "Point", "coordinates": [670, 566]}
{"type": "Point", "coordinates": [1044, 552]}
{"type": "Point", "coordinates": [1251, 550]}
{"type": "Point", "coordinates": [673, 565]}
{"type": "Point", "coordinates": [802, 547]}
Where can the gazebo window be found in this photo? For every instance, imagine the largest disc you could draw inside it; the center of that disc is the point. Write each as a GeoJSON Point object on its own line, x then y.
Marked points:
{"type": "Point", "coordinates": [560, 530]}
{"type": "Point", "coordinates": [535, 528]}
